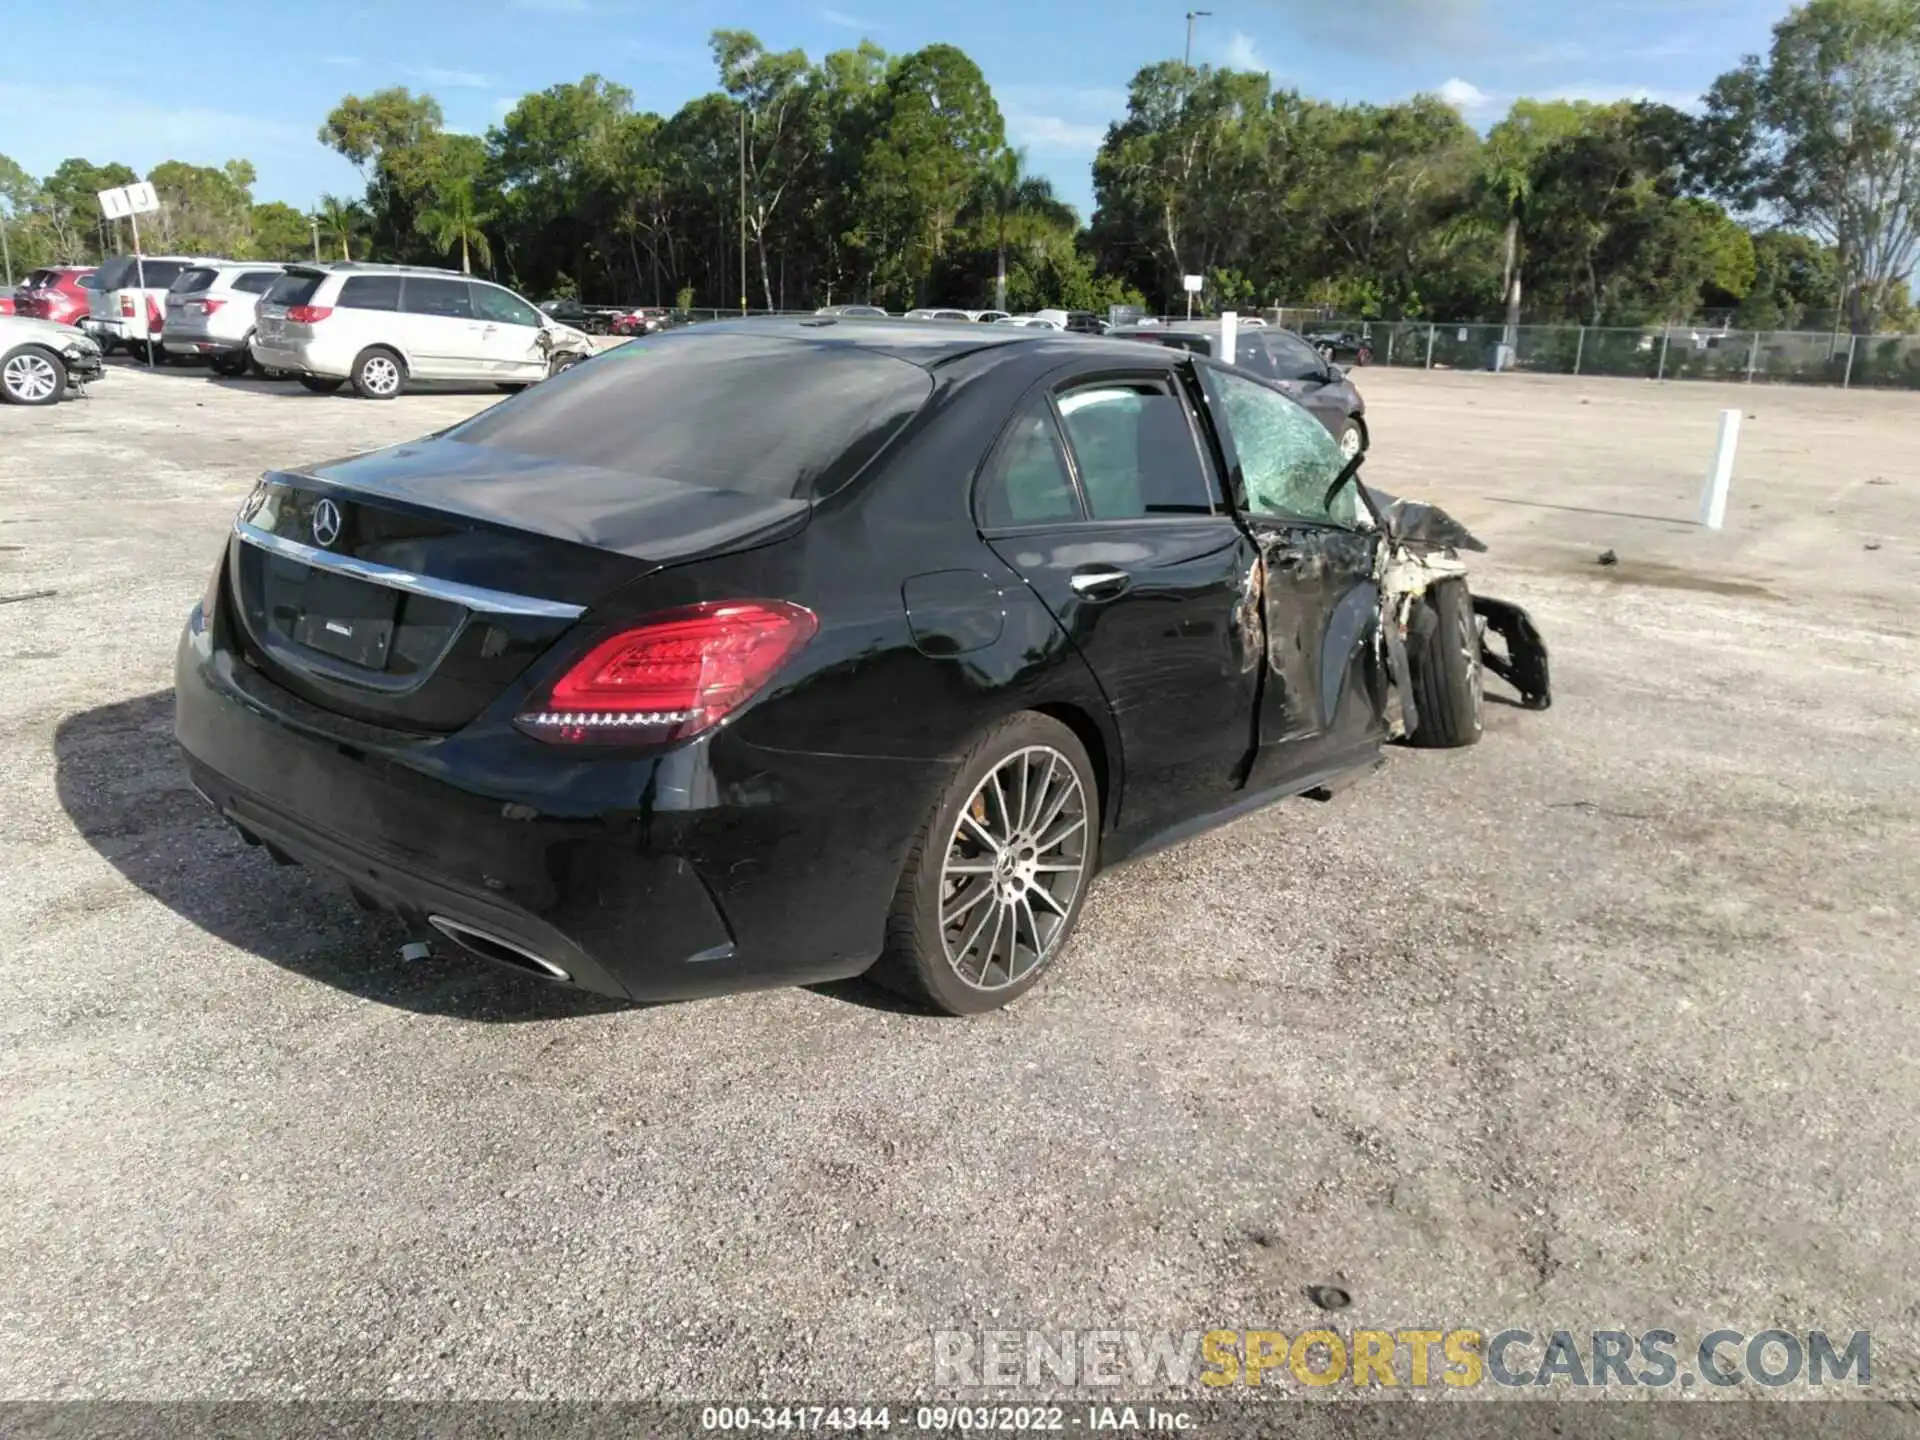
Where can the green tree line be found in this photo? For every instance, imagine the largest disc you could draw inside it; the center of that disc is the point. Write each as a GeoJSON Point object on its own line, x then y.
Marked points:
{"type": "Point", "coordinates": [1792, 198]}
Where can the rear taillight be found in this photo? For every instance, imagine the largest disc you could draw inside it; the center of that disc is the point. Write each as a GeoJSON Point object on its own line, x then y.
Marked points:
{"type": "Point", "coordinates": [308, 314]}
{"type": "Point", "coordinates": [678, 674]}
{"type": "Point", "coordinates": [126, 307]}
{"type": "Point", "coordinates": [205, 307]}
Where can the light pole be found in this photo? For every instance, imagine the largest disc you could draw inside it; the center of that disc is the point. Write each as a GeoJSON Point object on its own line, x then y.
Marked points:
{"type": "Point", "coordinates": [1186, 60]}
{"type": "Point", "coordinates": [314, 221]}
{"type": "Point", "coordinates": [743, 209]}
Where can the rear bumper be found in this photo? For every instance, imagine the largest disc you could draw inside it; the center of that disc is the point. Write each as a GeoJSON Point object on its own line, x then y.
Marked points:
{"type": "Point", "coordinates": [663, 878]}
{"type": "Point", "coordinates": [298, 360]}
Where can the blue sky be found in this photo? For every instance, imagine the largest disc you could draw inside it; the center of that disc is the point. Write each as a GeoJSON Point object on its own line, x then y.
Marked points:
{"type": "Point", "coordinates": [261, 76]}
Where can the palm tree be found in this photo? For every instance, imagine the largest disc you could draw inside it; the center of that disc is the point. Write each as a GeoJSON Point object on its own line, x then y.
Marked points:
{"type": "Point", "coordinates": [455, 221]}
{"type": "Point", "coordinates": [1008, 193]}
{"type": "Point", "coordinates": [342, 220]}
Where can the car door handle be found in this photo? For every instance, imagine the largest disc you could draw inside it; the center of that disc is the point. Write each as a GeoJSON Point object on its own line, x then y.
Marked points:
{"type": "Point", "coordinates": [1099, 583]}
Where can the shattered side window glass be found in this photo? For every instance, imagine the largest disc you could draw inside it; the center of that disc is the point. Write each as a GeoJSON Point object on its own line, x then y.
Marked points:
{"type": "Point", "coordinates": [1287, 459]}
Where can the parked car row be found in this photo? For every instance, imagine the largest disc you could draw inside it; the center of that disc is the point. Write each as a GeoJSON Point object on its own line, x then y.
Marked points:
{"type": "Point", "coordinates": [327, 324]}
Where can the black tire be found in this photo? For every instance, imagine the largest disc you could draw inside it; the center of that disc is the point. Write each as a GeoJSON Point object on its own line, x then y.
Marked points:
{"type": "Point", "coordinates": [231, 366]}
{"type": "Point", "coordinates": [914, 963]}
{"type": "Point", "coordinates": [32, 375]}
{"type": "Point", "coordinates": [320, 384]}
{"type": "Point", "coordinates": [378, 374]}
{"type": "Point", "coordinates": [512, 387]}
{"type": "Point", "coordinates": [1443, 656]}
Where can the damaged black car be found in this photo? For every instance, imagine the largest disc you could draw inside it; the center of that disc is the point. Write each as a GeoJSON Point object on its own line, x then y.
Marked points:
{"type": "Point", "coordinates": [775, 652]}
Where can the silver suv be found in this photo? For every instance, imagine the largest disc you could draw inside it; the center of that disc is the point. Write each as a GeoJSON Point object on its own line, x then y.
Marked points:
{"type": "Point", "coordinates": [381, 326]}
{"type": "Point", "coordinates": [210, 311]}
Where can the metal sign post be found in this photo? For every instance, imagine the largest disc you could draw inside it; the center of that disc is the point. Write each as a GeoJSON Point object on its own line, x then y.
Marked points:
{"type": "Point", "coordinates": [130, 202]}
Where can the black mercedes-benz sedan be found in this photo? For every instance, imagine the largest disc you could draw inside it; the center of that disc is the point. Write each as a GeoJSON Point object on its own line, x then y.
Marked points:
{"type": "Point", "coordinates": [774, 652]}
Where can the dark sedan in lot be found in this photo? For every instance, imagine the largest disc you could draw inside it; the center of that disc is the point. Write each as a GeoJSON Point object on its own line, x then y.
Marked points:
{"type": "Point", "coordinates": [773, 652]}
{"type": "Point", "coordinates": [1288, 361]}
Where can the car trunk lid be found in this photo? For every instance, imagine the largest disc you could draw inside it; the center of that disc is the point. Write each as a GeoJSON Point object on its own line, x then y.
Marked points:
{"type": "Point", "coordinates": [412, 586]}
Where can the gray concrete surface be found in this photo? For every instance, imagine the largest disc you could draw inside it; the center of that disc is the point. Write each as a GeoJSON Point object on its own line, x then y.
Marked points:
{"type": "Point", "coordinates": [1605, 1023]}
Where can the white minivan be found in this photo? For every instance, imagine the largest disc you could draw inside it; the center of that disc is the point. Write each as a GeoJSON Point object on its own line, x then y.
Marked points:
{"type": "Point", "coordinates": [380, 326]}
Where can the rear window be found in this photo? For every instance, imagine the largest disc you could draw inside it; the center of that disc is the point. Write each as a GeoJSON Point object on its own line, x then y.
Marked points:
{"type": "Point", "coordinates": [371, 292]}
{"type": "Point", "coordinates": [756, 414]}
{"type": "Point", "coordinates": [192, 282]}
{"type": "Point", "coordinates": [256, 282]}
{"type": "Point", "coordinates": [294, 289]}
{"type": "Point", "coordinates": [39, 280]}
{"type": "Point", "coordinates": [115, 272]}
{"type": "Point", "coordinates": [154, 274]}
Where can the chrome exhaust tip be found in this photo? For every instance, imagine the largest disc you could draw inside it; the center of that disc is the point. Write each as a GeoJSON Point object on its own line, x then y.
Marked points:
{"type": "Point", "coordinates": [493, 947]}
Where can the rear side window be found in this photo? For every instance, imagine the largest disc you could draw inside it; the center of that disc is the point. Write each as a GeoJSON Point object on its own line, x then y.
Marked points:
{"type": "Point", "coordinates": [449, 299]}
{"type": "Point", "coordinates": [256, 282]}
{"type": "Point", "coordinates": [1135, 451]}
{"type": "Point", "coordinates": [1026, 480]}
{"type": "Point", "coordinates": [758, 414]}
{"type": "Point", "coordinates": [291, 289]}
{"type": "Point", "coordinates": [115, 272]}
{"type": "Point", "coordinates": [371, 292]}
{"type": "Point", "coordinates": [192, 282]}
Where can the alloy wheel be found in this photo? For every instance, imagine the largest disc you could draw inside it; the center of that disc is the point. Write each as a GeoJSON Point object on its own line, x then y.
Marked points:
{"type": "Point", "coordinates": [1470, 656]}
{"type": "Point", "coordinates": [1014, 866]}
{"type": "Point", "coordinates": [1349, 443]}
{"type": "Point", "coordinates": [30, 378]}
{"type": "Point", "coordinates": [380, 375]}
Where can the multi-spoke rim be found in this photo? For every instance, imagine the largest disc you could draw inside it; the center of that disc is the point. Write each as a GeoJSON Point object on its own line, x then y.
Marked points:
{"type": "Point", "coordinates": [1349, 443]}
{"type": "Point", "coordinates": [380, 375]}
{"type": "Point", "coordinates": [1014, 867]}
{"type": "Point", "coordinates": [1470, 653]}
{"type": "Point", "coordinates": [31, 377]}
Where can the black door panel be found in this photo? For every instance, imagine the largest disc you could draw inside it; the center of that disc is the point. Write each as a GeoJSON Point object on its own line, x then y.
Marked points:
{"type": "Point", "coordinates": [1171, 649]}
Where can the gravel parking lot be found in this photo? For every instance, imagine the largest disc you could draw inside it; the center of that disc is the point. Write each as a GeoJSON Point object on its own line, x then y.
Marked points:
{"type": "Point", "coordinates": [1605, 1023]}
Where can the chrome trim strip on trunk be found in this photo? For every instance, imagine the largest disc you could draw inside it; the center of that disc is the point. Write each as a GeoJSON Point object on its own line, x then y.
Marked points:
{"type": "Point", "coordinates": [473, 597]}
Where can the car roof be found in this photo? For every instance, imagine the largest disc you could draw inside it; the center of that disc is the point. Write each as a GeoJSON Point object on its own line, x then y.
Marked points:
{"type": "Point", "coordinates": [929, 343]}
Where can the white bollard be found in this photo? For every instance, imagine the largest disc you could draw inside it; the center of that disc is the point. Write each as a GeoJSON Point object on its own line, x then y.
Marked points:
{"type": "Point", "coordinates": [1229, 336]}
{"type": "Point", "coordinates": [1713, 503]}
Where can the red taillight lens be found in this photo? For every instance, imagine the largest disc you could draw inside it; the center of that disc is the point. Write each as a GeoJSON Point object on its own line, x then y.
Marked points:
{"type": "Point", "coordinates": [207, 307]}
{"type": "Point", "coordinates": [126, 306]}
{"type": "Point", "coordinates": [679, 674]}
{"type": "Point", "coordinates": [308, 314]}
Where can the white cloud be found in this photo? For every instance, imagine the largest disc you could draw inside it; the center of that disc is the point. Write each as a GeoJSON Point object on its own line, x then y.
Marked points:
{"type": "Point", "coordinates": [451, 79]}
{"type": "Point", "coordinates": [1465, 96]}
{"type": "Point", "coordinates": [503, 105]}
{"type": "Point", "coordinates": [1241, 53]}
{"type": "Point", "coordinates": [345, 62]}
{"type": "Point", "coordinates": [846, 21]}
{"type": "Point", "coordinates": [1052, 134]}
{"type": "Point", "coordinates": [1390, 27]}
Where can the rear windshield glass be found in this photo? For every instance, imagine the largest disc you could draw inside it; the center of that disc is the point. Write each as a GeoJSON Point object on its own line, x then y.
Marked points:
{"type": "Point", "coordinates": [292, 289]}
{"type": "Point", "coordinates": [154, 274]}
{"type": "Point", "coordinates": [39, 280]}
{"type": "Point", "coordinates": [115, 272]}
{"type": "Point", "coordinates": [758, 414]}
{"type": "Point", "coordinates": [256, 282]}
{"type": "Point", "coordinates": [192, 282]}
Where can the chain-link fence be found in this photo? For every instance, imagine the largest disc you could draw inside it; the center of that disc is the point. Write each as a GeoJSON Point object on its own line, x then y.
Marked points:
{"type": "Point", "coordinates": [1791, 357]}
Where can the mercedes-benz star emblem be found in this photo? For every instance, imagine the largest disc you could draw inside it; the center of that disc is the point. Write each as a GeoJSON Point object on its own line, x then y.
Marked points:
{"type": "Point", "coordinates": [326, 523]}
